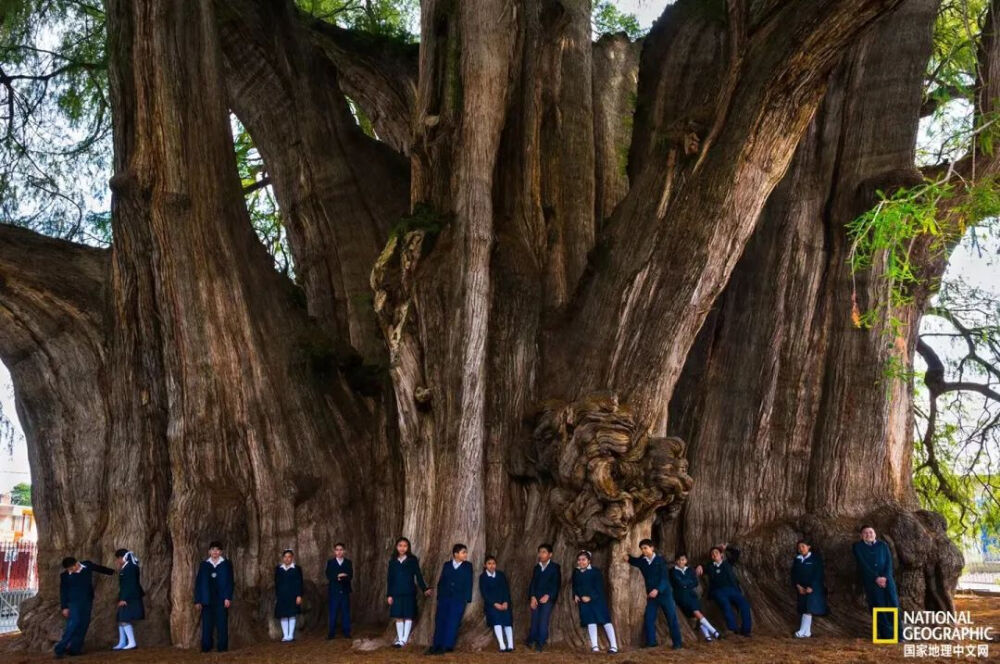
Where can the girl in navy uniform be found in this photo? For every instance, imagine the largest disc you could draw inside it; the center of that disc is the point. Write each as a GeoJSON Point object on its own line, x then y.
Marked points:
{"type": "Point", "coordinates": [725, 589]}
{"type": "Point", "coordinates": [588, 593]}
{"type": "Point", "coordinates": [130, 593]}
{"type": "Point", "coordinates": [496, 603]}
{"type": "Point", "coordinates": [807, 576]}
{"type": "Point", "coordinates": [403, 578]}
{"type": "Point", "coordinates": [685, 582]}
{"type": "Point", "coordinates": [454, 592]}
{"type": "Point", "coordinates": [288, 594]}
{"type": "Point", "coordinates": [874, 560]}
{"type": "Point", "coordinates": [213, 595]}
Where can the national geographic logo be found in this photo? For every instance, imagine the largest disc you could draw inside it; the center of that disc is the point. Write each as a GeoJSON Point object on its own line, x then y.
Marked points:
{"type": "Point", "coordinates": [932, 633]}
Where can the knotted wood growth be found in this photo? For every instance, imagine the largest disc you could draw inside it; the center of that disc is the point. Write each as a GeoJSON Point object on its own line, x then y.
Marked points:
{"type": "Point", "coordinates": [609, 472]}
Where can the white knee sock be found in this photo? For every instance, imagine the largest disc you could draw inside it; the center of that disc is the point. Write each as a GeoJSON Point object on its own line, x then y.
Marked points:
{"type": "Point", "coordinates": [805, 629]}
{"type": "Point", "coordinates": [121, 638]}
{"type": "Point", "coordinates": [609, 629]}
{"type": "Point", "coordinates": [510, 637]}
{"type": "Point", "coordinates": [284, 629]}
{"type": "Point", "coordinates": [407, 626]}
{"type": "Point", "coordinates": [706, 627]}
{"type": "Point", "coordinates": [399, 631]}
{"type": "Point", "coordinates": [130, 637]}
{"type": "Point", "coordinates": [498, 630]}
{"type": "Point", "coordinates": [291, 628]}
{"type": "Point", "coordinates": [592, 631]}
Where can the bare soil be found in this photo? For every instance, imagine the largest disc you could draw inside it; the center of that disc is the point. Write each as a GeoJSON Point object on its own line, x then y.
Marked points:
{"type": "Point", "coordinates": [756, 650]}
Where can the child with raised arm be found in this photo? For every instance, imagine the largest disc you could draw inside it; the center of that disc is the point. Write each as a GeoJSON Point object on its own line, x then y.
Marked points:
{"type": "Point", "coordinates": [659, 596]}
{"type": "Point", "coordinates": [76, 600]}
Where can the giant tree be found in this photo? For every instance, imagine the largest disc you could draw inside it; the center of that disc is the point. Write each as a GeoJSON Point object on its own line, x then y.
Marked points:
{"type": "Point", "coordinates": [545, 289]}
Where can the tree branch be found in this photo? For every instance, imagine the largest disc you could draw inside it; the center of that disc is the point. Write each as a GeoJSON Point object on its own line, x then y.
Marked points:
{"type": "Point", "coordinates": [377, 72]}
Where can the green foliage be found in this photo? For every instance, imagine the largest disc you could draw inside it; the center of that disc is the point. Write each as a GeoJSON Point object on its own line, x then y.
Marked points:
{"type": "Point", "coordinates": [398, 19]}
{"type": "Point", "coordinates": [608, 19]}
{"type": "Point", "coordinates": [55, 126]}
{"type": "Point", "coordinates": [20, 494]}
{"type": "Point", "coordinates": [259, 195]}
{"type": "Point", "coordinates": [423, 218]}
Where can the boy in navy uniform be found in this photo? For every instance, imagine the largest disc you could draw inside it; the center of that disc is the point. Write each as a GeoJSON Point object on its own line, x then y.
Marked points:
{"type": "Point", "coordinates": [76, 599]}
{"type": "Point", "coordinates": [874, 560]}
{"type": "Point", "coordinates": [213, 594]}
{"type": "Point", "coordinates": [725, 589]}
{"type": "Point", "coordinates": [685, 582]}
{"type": "Point", "coordinates": [339, 573]}
{"type": "Point", "coordinates": [543, 592]}
{"type": "Point", "coordinates": [454, 591]}
{"type": "Point", "coordinates": [659, 595]}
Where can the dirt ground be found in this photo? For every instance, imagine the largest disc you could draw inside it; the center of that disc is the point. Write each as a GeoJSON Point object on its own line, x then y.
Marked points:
{"type": "Point", "coordinates": [757, 650]}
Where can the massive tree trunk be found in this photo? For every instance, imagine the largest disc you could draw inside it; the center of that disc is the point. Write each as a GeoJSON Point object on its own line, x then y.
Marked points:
{"type": "Point", "coordinates": [502, 309]}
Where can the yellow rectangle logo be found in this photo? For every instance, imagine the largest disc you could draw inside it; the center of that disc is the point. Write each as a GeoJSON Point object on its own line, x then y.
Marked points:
{"type": "Point", "coordinates": [895, 625]}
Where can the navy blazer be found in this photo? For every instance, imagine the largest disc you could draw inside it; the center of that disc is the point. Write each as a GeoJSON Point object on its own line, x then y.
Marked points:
{"type": "Point", "coordinates": [212, 580]}
{"type": "Point", "coordinates": [723, 576]}
{"type": "Point", "coordinates": [545, 583]}
{"type": "Point", "coordinates": [333, 568]}
{"type": "Point", "coordinates": [808, 573]}
{"type": "Point", "coordinates": [403, 575]}
{"type": "Point", "coordinates": [874, 560]}
{"type": "Point", "coordinates": [77, 590]}
{"type": "Point", "coordinates": [456, 583]}
{"type": "Point", "coordinates": [655, 574]}
{"type": "Point", "coordinates": [494, 590]}
{"type": "Point", "coordinates": [129, 588]}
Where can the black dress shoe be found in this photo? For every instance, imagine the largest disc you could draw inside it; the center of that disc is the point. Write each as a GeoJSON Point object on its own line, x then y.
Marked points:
{"type": "Point", "coordinates": [539, 647]}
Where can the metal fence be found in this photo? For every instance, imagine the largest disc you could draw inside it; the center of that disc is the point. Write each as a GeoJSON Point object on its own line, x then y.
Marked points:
{"type": "Point", "coordinates": [18, 580]}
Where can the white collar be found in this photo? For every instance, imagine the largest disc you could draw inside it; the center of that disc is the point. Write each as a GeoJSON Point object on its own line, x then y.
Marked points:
{"type": "Point", "coordinates": [82, 567]}
{"type": "Point", "coordinates": [649, 560]}
{"type": "Point", "coordinates": [682, 569]}
{"type": "Point", "coordinates": [340, 561]}
{"type": "Point", "coordinates": [544, 565]}
{"type": "Point", "coordinates": [456, 563]}
{"type": "Point", "coordinates": [801, 557]}
{"type": "Point", "coordinates": [490, 574]}
{"type": "Point", "coordinates": [718, 564]}
{"type": "Point", "coordinates": [213, 563]}
{"type": "Point", "coordinates": [587, 568]}
{"type": "Point", "coordinates": [287, 567]}
{"type": "Point", "coordinates": [403, 558]}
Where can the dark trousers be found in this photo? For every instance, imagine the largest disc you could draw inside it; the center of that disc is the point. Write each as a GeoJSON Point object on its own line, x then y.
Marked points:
{"type": "Point", "coordinates": [883, 598]}
{"type": "Point", "coordinates": [340, 606]}
{"type": "Point", "coordinates": [664, 602]}
{"type": "Point", "coordinates": [214, 617]}
{"type": "Point", "coordinates": [539, 632]}
{"type": "Point", "coordinates": [725, 598]}
{"type": "Point", "coordinates": [75, 631]}
{"type": "Point", "coordinates": [446, 622]}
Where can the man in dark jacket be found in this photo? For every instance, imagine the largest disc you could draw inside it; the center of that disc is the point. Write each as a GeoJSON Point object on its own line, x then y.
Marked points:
{"type": "Point", "coordinates": [213, 595]}
{"type": "Point", "coordinates": [543, 592]}
{"type": "Point", "coordinates": [339, 572]}
{"type": "Point", "coordinates": [76, 599]}
{"type": "Point", "coordinates": [454, 592]}
{"type": "Point", "coordinates": [659, 595]}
